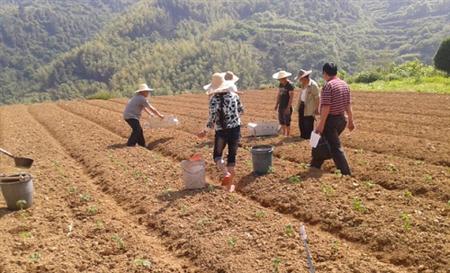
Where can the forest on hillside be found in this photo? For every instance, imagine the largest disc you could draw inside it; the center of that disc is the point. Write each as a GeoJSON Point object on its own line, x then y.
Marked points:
{"type": "Point", "coordinates": [55, 49]}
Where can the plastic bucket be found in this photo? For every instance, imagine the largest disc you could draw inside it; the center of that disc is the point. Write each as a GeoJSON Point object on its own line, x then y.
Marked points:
{"type": "Point", "coordinates": [262, 159]}
{"type": "Point", "coordinates": [193, 174]}
{"type": "Point", "coordinates": [17, 191]}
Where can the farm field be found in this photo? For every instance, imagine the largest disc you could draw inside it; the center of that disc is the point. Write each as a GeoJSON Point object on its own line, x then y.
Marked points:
{"type": "Point", "coordinates": [102, 207]}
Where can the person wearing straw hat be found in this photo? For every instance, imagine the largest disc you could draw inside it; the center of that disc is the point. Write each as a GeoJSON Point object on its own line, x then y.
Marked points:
{"type": "Point", "coordinates": [308, 103]}
{"type": "Point", "coordinates": [284, 101]}
{"type": "Point", "coordinates": [132, 114]}
{"type": "Point", "coordinates": [228, 76]}
{"type": "Point", "coordinates": [225, 110]}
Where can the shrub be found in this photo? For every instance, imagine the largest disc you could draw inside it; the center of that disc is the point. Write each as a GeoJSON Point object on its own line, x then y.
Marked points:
{"type": "Point", "coordinates": [442, 59]}
{"type": "Point", "coordinates": [102, 95]}
{"type": "Point", "coordinates": [368, 77]}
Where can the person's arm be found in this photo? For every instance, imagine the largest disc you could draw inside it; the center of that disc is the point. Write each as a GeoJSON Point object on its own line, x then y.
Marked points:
{"type": "Point", "coordinates": [349, 111]}
{"type": "Point", "coordinates": [153, 110]}
{"type": "Point", "coordinates": [316, 95]}
{"type": "Point", "coordinates": [325, 106]}
{"type": "Point", "coordinates": [149, 112]}
{"type": "Point", "coordinates": [291, 99]}
{"type": "Point", "coordinates": [211, 117]}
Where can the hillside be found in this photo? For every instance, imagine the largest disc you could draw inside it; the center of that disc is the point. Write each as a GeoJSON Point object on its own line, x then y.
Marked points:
{"type": "Point", "coordinates": [175, 44]}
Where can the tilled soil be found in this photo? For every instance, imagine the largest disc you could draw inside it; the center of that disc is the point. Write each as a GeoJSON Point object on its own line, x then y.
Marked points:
{"type": "Point", "coordinates": [102, 207]}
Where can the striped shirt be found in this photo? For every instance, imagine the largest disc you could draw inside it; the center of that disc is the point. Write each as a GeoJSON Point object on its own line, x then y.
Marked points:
{"type": "Point", "coordinates": [336, 94]}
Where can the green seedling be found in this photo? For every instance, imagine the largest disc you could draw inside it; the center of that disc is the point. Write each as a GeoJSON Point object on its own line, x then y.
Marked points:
{"type": "Point", "coordinates": [295, 180]}
{"type": "Point", "coordinates": [360, 151]}
{"type": "Point", "coordinates": [428, 178]}
{"type": "Point", "coordinates": [35, 256]}
{"type": "Point", "coordinates": [203, 221]}
{"type": "Point", "coordinates": [271, 170]}
{"type": "Point", "coordinates": [358, 205]}
{"type": "Point", "coordinates": [406, 218]}
{"type": "Point", "coordinates": [338, 173]}
{"type": "Point", "coordinates": [289, 230]}
{"type": "Point", "coordinates": [304, 166]}
{"type": "Point", "coordinates": [21, 204]}
{"type": "Point", "coordinates": [92, 210]}
{"type": "Point", "coordinates": [261, 214]}
{"type": "Point", "coordinates": [249, 164]}
{"type": "Point", "coordinates": [448, 203]}
{"type": "Point", "coordinates": [138, 174]}
{"type": "Point", "coordinates": [328, 191]}
{"type": "Point", "coordinates": [232, 242]}
{"type": "Point", "coordinates": [369, 184]}
{"type": "Point", "coordinates": [142, 263]}
{"type": "Point", "coordinates": [84, 197]}
{"type": "Point", "coordinates": [392, 168]}
{"type": "Point", "coordinates": [99, 225]}
{"type": "Point", "coordinates": [184, 209]}
{"type": "Point", "coordinates": [408, 195]}
{"type": "Point", "coordinates": [276, 265]}
{"type": "Point", "coordinates": [25, 235]}
{"type": "Point", "coordinates": [211, 188]}
{"type": "Point", "coordinates": [119, 241]}
{"type": "Point", "coordinates": [72, 189]}
{"type": "Point", "coordinates": [335, 246]}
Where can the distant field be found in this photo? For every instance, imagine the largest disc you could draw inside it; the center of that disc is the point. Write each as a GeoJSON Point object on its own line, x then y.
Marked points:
{"type": "Point", "coordinates": [101, 207]}
{"type": "Point", "coordinates": [439, 85]}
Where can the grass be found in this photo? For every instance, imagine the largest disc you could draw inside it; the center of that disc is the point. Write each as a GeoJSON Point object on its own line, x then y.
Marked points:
{"type": "Point", "coordinates": [358, 205]}
{"type": "Point", "coordinates": [406, 219]}
{"type": "Point", "coordinates": [295, 180]}
{"type": "Point", "coordinates": [435, 84]}
{"type": "Point", "coordinates": [142, 263]}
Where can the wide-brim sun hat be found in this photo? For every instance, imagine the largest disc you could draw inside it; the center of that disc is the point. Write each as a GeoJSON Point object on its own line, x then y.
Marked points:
{"type": "Point", "coordinates": [144, 87]}
{"type": "Point", "coordinates": [218, 84]}
{"type": "Point", "coordinates": [303, 73]}
{"type": "Point", "coordinates": [281, 75]}
{"type": "Point", "coordinates": [230, 76]}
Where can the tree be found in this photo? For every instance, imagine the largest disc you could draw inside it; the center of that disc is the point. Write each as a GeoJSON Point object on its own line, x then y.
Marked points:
{"type": "Point", "coordinates": [442, 58]}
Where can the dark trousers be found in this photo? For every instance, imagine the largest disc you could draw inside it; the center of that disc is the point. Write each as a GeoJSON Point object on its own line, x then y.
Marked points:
{"type": "Point", "coordinates": [305, 123]}
{"type": "Point", "coordinates": [334, 126]}
{"type": "Point", "coordinates": [137, 135]}
{"type": "Point", "coordinates": [226, 137]}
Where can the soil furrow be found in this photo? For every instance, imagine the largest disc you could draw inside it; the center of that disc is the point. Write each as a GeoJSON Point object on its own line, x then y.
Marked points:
{"type": "Point", "coordinates": [70, 226]}
{"type": "Point", "coordinates": [390, 172]}
{"type": "Point", "coordinates": [261, 189]}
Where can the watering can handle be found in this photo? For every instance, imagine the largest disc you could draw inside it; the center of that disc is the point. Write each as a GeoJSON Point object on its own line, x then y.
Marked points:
{"type": "Point", "coordinates": [6, 153]}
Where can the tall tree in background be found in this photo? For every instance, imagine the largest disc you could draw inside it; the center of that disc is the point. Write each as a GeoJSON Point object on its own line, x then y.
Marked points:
{"type": "Point", "coordinates": [442, 58]}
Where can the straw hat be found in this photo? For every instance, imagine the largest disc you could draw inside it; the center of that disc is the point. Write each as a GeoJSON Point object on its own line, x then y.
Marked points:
{"type": "Point", "coordinates": [144, 87]}
{"type": "Point", "coordinates": [218, 84]}
{"type": "Point", "coordinates": [230, 76]}
{"type": "Point", "coordinates": [303, 73]}
{"type": "Point", "coordinates": [281, 75]}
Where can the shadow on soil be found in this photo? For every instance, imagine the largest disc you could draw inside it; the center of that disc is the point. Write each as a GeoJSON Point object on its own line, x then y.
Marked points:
{"type": "Point", "coordinates": [4, 212]}
{"type": "Point", "coordinates": [155, 143]}
{"type": "Point", "coordinates": [117, 146]}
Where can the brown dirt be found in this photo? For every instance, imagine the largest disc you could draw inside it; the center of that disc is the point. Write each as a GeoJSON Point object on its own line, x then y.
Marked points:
{"type": "Point", "coordinates": [391, 216]}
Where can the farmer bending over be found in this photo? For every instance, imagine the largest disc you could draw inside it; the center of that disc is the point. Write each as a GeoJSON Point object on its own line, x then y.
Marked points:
{"type": "Point", "coordinates": [133, 111]}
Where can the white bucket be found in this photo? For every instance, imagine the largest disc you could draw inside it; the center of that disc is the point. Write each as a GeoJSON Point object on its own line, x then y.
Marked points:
{"type": "Point", "coordinates": [193, 174]}
{"type": "Point", "coordinates": [263, 128]}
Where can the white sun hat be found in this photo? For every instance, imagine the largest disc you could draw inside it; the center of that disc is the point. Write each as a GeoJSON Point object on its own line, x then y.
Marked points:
{"type": "Point", "coordinates": [218, 84]}
{"type": "Point", "coordinates": [144, 87]}
{"type": "Point", "coordinates": [303, 73]}
{"type": "Point", "coordinates": [281, 75]}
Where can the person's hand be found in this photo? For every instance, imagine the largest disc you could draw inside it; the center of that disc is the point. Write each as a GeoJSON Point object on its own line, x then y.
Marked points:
{"type": "Point", "coordinates": [161, 116]}
{"type": "Point", "coordinates": [351, 125]}
{"type": "Point", "coordinates": [320, 128]}
{"type": "Point", "coordinates": [202, 134]}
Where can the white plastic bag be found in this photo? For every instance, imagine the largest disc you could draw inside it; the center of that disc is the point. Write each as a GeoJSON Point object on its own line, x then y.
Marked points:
{"type": "Point", "coordinates": [157, 123]}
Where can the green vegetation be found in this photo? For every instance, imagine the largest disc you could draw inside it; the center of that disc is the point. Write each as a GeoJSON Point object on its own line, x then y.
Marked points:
{"type": "Point", "coordinates": [232, 242]}
{"type": "Point", "coordinates": [289, 230]}
{"type": "Point", "coordinates": [407, 222]}
{"type": "Point", "coordinates": [358, 205]}
{"type": "Point", "coordinates": [295, 180]}
{"type": "Point", "coordinates": [143, 263]}
{"type": "Point", "coordinates": [276, 265]}
{"type": "Point", "coordinates": [53, 49]}
{"type": "Point", "coordinates": [411, 76]}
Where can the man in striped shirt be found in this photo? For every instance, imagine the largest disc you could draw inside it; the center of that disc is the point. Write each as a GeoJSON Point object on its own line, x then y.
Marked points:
{"type": "Point", "coordinates": [335, 102]}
